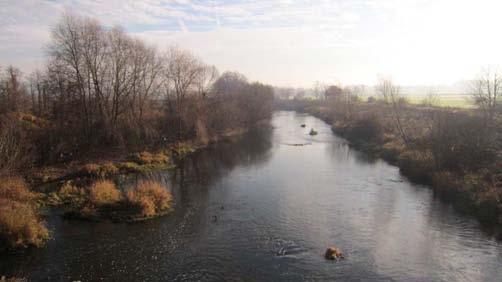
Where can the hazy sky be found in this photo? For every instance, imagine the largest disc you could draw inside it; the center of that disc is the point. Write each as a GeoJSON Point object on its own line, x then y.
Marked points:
{"type": "Point", "coordinates": [286, 42]}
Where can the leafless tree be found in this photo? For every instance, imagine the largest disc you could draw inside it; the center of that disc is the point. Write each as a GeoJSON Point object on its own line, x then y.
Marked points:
{"type": "Point", "coordinates": [391, 96]}
{"type": "Point", "coordinates": [319, 88]}
{"type": "Point", "coordinates": [486, 92]}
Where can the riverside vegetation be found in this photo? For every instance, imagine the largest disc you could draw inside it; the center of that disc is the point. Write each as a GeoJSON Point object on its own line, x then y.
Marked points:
{"type": "Point", "coordinates": [455, 151]}
{"type": "Point", "coordinates": [107, 103]}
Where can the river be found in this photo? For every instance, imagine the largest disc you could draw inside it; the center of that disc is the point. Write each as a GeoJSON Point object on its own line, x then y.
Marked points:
{"type": "Point", "coordinates": [260, 209]}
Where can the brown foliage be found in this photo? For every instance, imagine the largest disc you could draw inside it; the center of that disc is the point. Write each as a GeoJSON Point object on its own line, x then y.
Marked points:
{"type": "Point", "coordinates": [14, 188]}
{"type": "Point", "coordinates": [104, 192]}
{"type": "Point", "coordinates": [20, 225]}
{"type": "Point", "coordinates": [150, 197]}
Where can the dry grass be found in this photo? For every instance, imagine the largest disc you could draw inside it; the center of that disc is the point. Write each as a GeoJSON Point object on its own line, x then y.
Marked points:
{"type": "Point", "coordinates": [70, 194]}
{"type": "Point", "coordinates": [150, 197]}
{"type": "Point", "coordinates": [14, 188]}
{"type": "Point", "coordinates": [20, 225]}
{"type": "Point", "coordinates": [149, 158]}
{"type": "Point", "coordinates": [104, 192]}
{"type": "Point", "coordinates": [96, 170]}
{"type": "Point", "coordinates": [109, 168]}
{"type": "Point", "coordinates": [128, 166]}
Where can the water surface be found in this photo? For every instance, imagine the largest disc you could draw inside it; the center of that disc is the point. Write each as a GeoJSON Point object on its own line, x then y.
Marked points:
{"type": "Point", "coordinates": [259, 209]}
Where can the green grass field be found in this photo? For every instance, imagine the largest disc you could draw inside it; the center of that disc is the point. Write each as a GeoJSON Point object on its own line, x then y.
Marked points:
{"type": "Point", "coordinates": [446, 100]}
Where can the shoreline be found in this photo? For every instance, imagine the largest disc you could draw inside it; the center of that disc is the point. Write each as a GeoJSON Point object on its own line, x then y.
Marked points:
{"type": "Point", "coordinates": [450, 191]}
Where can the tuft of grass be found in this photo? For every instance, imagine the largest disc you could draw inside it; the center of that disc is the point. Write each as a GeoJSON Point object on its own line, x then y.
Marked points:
{"type": "Point", "coordinates": [14, 188]}
{"type": "Point", "coordinates": [91, 169]}
{"type": "Point", "coordinates": [101, 171]}
{"type": "Point", "coordinates": [104, 192]}
{"type": "Point", "coordinates": [150, 197]}
{"type": "Point", "coordinates": [20, 224]}
{"type": "Point", "coordinates": [70, 194]}
{"type": "Point", "coordinates": [145, 158]}
{"type": "Point", "coordinates": [128, 166]}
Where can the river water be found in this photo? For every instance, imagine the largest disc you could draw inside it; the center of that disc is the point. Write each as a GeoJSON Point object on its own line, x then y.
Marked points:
{"type": "Point", "coordinates": [260, 209]}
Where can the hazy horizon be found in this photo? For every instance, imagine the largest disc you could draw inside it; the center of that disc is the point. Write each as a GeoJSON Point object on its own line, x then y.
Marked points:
{"type": "Point", "coordinates": [287, 43]}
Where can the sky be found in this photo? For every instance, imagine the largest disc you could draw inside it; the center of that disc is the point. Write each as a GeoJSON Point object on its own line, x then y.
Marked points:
{"type": "Point", "coordinates": [286, 42]}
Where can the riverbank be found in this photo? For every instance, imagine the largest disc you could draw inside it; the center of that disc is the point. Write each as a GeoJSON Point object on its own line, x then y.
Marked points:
{"type": "Point", "coordinates": [86, 190]}
{"type": "Point", "coordinates": [475, 190]}
{"type": "Point", "coordinates": [280, 206]}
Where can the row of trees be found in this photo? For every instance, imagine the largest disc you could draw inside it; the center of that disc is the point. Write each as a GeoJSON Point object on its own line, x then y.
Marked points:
{"type": "Point", "coordinates": [102, 88]}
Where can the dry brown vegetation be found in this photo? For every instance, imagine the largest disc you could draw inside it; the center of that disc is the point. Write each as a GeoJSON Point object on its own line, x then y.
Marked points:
{"type": "Point", "coordinates": [140, 98]}
{"type": "Point", "coordinates": [104, 201]}
{"type": "Point", "coordinates": [150, 197]}
{"type": "Point", "coordinates": [104, 192]}
{"type": "Point", "coordinates": [20, 224]}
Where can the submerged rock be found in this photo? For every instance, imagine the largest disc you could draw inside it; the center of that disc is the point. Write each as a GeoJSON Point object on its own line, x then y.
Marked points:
{"type": "Point", "coordinates": [303, 125]}
{"type": "Point", "coordinates": [313, 132]}
{"type": "Point", "coordinates": [333, 253]}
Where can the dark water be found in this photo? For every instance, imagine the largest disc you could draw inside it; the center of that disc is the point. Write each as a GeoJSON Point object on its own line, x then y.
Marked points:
{"type": "Point", "coordinates": [277, 207]}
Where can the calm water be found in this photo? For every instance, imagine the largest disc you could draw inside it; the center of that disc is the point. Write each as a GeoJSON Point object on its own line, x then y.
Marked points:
{"type": "Point", "coordinates": [277, 208]}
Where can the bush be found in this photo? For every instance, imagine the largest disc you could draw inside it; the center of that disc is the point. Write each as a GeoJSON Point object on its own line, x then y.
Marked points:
{"type": "Point", "coordinates": [14, 188]}
{"type": "Point", "coordinates": [104, 192]}
{"type": "Point", "coordinates": [20, 226]}
{"type": "Point", "coordinates": [418, 166]}
{"type": "Point", "coordinates": [150, 198]}
{"type": "Point", "coordinates": [70, 194]}
{"type": "Point", "coordinates": [367, 128]}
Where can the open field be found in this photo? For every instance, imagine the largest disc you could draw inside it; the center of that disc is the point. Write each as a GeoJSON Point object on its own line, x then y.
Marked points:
{"type": "Point", "coordinates": [445, 100]}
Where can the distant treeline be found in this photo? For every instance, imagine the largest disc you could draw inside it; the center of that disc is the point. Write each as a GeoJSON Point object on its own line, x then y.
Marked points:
{"type": "Point", "coordinates": [102, 88]}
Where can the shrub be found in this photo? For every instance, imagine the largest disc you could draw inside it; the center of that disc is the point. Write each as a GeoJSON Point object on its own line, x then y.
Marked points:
{"type": "Point", "coordinates": [14, 188]}
{"type": "Point", "coordinates": [150, 198]}
{"type": "Point", "coordinates": [104, 192]}
{"type": "Point", "coordinates": [416, 165]}
{"type": "Point", "coordinates": [20, 225]}
{"type": "Point", "coordinates": [392, 149]}
{"type": "Point", "coordinates": [367, 128]}
{"type": "Point", "coordinates": [70, 194]}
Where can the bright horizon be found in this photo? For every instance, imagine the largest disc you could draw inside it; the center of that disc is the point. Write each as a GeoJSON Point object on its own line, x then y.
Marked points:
{"type": "Point", "coordinates": [287, 43]}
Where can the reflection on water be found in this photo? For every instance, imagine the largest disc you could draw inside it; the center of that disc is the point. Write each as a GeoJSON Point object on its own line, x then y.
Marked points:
{"type": "Point", "coordinates": [259, 209]}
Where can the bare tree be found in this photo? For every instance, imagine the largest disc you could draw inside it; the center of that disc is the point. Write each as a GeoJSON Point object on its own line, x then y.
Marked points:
{"type": "Point", "coordinates": [181, 72]}
{"type": "Point", "coordinates": [319, 88]}
{"type": "Point", "coordinates": [486, 92]}
{"type": "Point", "coordinates": [391, 96]}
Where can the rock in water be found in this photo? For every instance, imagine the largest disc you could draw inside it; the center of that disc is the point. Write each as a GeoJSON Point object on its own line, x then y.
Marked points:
{"type": "Point", "coordinates": [333, 253]}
